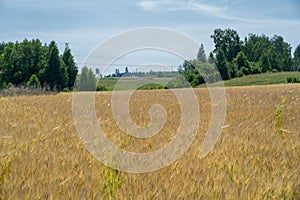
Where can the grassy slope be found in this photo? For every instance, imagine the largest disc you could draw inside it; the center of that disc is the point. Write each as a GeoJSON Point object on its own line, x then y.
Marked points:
{"type": "Point", "coordinates": [261, 79]}
{"type": "Point", "coordinates": [130, 83]}
{"type": "Point", "coordinates": [256, 79]}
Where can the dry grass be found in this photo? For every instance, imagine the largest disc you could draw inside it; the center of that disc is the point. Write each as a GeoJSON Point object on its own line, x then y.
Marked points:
{"type": "Point", "coordinates": [43, 158]}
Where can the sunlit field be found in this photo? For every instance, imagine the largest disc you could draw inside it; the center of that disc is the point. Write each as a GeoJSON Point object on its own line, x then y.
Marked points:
{"type": "Point", "coordinates": [256, 157]}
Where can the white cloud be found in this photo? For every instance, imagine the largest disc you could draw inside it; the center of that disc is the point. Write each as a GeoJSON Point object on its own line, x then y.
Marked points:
{"type": "Point", "coordinates": [174, 5]}
{"type": "Point", "coordinates": [207, 9]}
{"type": "Point", "coordinates": [157, 6]}
{"type": "Point", "coordinates": [192, 5]}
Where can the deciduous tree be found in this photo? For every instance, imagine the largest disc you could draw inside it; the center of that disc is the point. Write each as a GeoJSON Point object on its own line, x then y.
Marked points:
{"type": "Point", "coordinates": [201, 54]}
{"type": "Point", "coordinates": [222, 65]}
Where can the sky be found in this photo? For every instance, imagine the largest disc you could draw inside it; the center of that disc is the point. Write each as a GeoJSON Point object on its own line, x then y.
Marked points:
{"type": "Point", "coordinates": [86, 24]}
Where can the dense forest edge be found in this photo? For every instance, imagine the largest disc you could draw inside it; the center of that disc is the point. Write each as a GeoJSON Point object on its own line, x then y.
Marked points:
{"type": "Point", "coordinates": [31, 65]}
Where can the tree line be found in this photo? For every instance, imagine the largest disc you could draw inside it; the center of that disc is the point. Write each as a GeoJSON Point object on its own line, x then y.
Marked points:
{"type": "Point", "coordinates": [32, 64]}
{"type": "Point", "coordinates": [234, 57]}
{"type": "Point", "coordinates": [149, 74]}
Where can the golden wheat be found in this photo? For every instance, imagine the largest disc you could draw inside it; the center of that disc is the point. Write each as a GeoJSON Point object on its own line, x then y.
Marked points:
{"type": "Point", "coordinates": [42, 156]}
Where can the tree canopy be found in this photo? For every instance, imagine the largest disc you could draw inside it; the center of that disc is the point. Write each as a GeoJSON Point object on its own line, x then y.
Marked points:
{"type": "Point", "coordinates": [86, 80]}
{"type": "Point", "coordinates": [234, 57]}
{"type": "Point", "coordinates": [255, 54]}
{"type": "Point", "coordinates": [31, 62]}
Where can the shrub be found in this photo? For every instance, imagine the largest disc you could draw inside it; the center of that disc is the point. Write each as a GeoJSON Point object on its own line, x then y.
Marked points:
{"type": "Point", "coordinates": [151, 86]}
{"type": "Point", "coordinates": [293, 79]}
{"type": "Point", "coordinates": [240, 73]}
{"type": "Point", "coordinates": [255, 69]}
{"type": "Point", "coordinates": [6, 85]}
{"type": "Point", "coordinates": [178, 82]}
{"type": "Point", "coordinates": [101, 88]}
{"type": "Point", "coordinates": [66, 90]}
{"type": "Point", "coordinates": [34, 82]}
{"type": "Point", "coordinates": [245, 70]}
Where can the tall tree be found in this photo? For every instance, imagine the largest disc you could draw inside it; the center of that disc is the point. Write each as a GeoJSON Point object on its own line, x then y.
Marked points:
{"type": "Point", "coordinates": [201, 54]}
{"type": "Point", "coordinates": [2, 46]}
{"type": "Point", "coordinates": [228, 41]}
{"type": "Point", "coordinates": [98, 72]}
{"type": "Point", "coordinates": [6, 64]}
{"type": "Point", "coordinates": [55, 71]}
{"type": "Point", "coordinates": [222, 65]}
{"type": "Point", "coordinates": [38, 52]}
{"type": "Point", "coordinates": [211, 58]}
{"type": "Point", "coordinates": [296, 59]}
{"type": "Point", "coordinates": [71, 67]}
{"type": "Point", "coordinates": [34, 82]}
{"type": "Point", "coordinates": [242, 63]}
{"type": "Point", "coordinates": [41, 74]}
{"type": "Point", "coordinates": [87, 80]}
{"type": "Point", "coordinates": [191, 73]}
{"type": "Point", "coordinates": [92, 80]}
{"type": "Point", "coordinates": [279, 51]}
{"type": "Point", "coordinates": [117, 73]}
{"type": "Point", "coordinates": [17, 62]}
{"type": "Point", "coordinates": [282, 51]}
{"type": "Point", "coordinates": [265, 62]}
{"type": "Point", "coordinates": [83, 79]}
{"type": "Point", "coordinates": [63, 77]}
{"type": "Point", "coordinates": [255, 46]}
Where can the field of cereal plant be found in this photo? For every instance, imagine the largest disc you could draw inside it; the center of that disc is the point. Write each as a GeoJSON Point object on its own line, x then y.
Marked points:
{"type": "Point", "coordinates": [256, 157]}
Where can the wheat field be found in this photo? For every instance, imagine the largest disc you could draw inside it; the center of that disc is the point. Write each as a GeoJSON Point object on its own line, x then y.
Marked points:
{"type": "Point", "coordinates": [256, 157]}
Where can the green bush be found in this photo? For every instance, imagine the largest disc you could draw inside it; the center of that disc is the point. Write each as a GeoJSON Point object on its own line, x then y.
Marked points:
{"type": "Point", "coordinates": [101, 88]}
{"type": "Point", "coordinates": [293, 79]}
{"type": "Point", "coordinates": [239, 73]}
{"type": "Point", "coordinates": [245, 70]}
{"type": "Point", "coordinates": [6, 85]}
{"type": "Point", "coordinates": [66, 90]}
{"type": "Point", "coordinates": [178, 82]}
{"type": "Point", "coordinates": [255, 69]}
{"type": "Point", "coordinates": [151, 86]}
{"type": "Point", "coordinates": [3, 85]}
{"type": "Point", "coordinates": [34, 82]}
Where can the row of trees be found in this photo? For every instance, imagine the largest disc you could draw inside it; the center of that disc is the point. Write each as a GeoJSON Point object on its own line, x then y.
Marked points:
{"type": "Point", "coordinates": [234, 57]}
{"type": "Point", "coordinates": [30, 63]}
{"type": "Point", "coordinates": [149, 74]}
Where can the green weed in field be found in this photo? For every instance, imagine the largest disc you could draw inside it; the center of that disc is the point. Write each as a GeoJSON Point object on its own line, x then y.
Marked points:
{"type": "Point", "coordinates": [278, 123]}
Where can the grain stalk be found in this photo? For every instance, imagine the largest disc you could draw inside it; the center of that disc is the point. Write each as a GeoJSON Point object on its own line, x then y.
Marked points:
{"type": "Point", "coordinates": [278, 122]}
